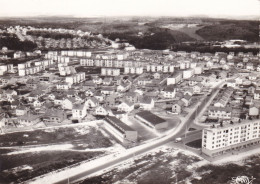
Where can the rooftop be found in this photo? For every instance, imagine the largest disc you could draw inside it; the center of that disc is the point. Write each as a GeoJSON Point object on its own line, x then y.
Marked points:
{"type": "Point", "coordinates": [152, 118]}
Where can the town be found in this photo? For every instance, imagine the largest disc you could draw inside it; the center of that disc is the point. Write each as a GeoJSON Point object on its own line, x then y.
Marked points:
{"type": "Point", "coordinates": [137, 99]}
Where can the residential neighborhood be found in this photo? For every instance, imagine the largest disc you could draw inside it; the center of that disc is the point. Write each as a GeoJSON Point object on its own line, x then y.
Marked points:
{"type": "Point", "coordinates": [86, 105]}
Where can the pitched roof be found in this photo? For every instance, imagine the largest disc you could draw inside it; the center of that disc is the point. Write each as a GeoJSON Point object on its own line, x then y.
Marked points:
{"type": "Point", "coordinates": [150, 117]}
{"type": "Point", "coordinates": [118, 124]}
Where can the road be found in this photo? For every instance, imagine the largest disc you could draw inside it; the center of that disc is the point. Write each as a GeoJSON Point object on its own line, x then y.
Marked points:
{"type": "Point", "coordinates": [129, 153]}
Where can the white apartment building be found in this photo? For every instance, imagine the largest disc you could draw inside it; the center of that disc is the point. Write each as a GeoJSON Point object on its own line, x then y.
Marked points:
{"type": "Point", "coordinates": [30, 71]}
{"type": "Point", "coordinates": [177, 77]}
{"type": "Point", "coordinates": [87, 62]}
{"type": "Point", "coordinates": [75, 78]}
{"type": "Point", "coordinates": [229, 137]}
{"type": "Point", "coordinates": [133, 70]}
{"type": "Point", "coordinates": [24, 65]}
{"type": "Point", "coordinates": [188, 73]}
{"type": "Point", "coordinates": [160, 68]}
{"type": "Point", "coordinates": [77, 53]}
{"type": "Point", "coordinates": [110, 71]}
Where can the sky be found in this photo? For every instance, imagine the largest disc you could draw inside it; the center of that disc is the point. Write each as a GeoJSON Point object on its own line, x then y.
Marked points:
{"type": "Point", "coordinates": [92, 8]}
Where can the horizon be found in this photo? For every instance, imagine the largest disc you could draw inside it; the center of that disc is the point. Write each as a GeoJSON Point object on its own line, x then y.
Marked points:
{"type": "Point", "coordinates": [230, 9]}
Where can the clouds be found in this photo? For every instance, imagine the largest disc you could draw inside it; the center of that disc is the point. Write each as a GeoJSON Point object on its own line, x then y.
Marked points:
{"type": "Point", "coordinates": [129, 7]}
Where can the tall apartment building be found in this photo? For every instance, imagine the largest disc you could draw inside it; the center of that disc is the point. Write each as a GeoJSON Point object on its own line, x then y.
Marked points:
{"type": "Point", "coordinates": [229, 137]}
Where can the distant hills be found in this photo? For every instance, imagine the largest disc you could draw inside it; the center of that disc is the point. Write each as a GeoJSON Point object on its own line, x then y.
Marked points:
{"type": "Point", "coordinates": [150, 32]}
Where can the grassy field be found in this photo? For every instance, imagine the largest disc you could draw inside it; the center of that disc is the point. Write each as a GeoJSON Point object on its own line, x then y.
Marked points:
{"type": "Point", "coordinates": [88, 135]}
{"type": "Point", "coordinates": [195, 144]}
{"type": "Point", "coordinates": [21, 167]}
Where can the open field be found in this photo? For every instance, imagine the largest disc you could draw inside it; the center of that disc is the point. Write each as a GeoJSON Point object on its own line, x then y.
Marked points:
{"type": "Point", "coordinates": [169, 165]}
{"type": "Point", "coordinates": [14, 169]}
{"type": "Point", "coordinates": [43, 151]}
{"type": "Point", "coordinates": [91, 136]}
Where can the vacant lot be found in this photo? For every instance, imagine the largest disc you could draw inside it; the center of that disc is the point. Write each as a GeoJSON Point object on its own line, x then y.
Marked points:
{"type": "Point", "coordinates": [160, 166]}
{"type": "Point", "coordinates": [168, 165]}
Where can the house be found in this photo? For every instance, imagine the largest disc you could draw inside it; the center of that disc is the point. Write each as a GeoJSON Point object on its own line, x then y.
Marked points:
{"type": "Point", "coordinates": [99, 96]}
{"type": "Point", "coordinates": [54, 116]}
{"type": "Point", "coordinates": [111, 100]}
{"type": "Point", "coordinates": [189, 91]}
{"type": "Point", "coordinates": [186, 99]}
{"type": "Point", "coordinates": [219, 112]}
{"type": "Point", "coordinates": [89, 92]}
{"type": "Point", "coordinates": [231, 83]}
{"type": "Point", "coordinates": [146, 103]}
{"type": "Point", "coordinates": [251, 89]}
{"type": "Point", "coordinates": [59, 100]}
{"type": "Point", "coordinates": [107, 90]}
{"type": "Point", "coordinates": [21, 110]}
{"type": "Point", "coordinates": [123, 87]}
{"type": "Point", "coordinates": [142, 81]}
{"type": "Point", "coordinates": [67, 103]}
{"type": "Point", "coordinates": [252, 77]}
{"type": "Point", "coordinates": [32, 97]}
{"type": "Point", "coordinates": [258, 68]}
{"type": "Point", "coordinates": [257, 94]}
{"type": "Point", "coordinates": [37, 103]}
{"type": "Point", "coordinates": [10, 93]}
{"type": "Point", "coordinates": [63, 86]}
{"type": "Point", "coordinates": [97, 80]}
{"type": "Point", "coordinates": [195, 80]}
{"type": "Point", "coordinates": [118, 80]}
{"type": "Point", "coordinates": [222, 74]}
{"type": "Point", "coordinates": [28, 119]}
{"type": "Point", "coordinates": [178, 106]}
{"type": "Point", "coordinates": [14, 104]}
{"type": "Point", "coordinates": [250, 66]}
{"type": "Point", "coordinates": [169, 92]}
{"type": "Point", "coordinates": [92, 102]}
{"type": "Point", "coordinates": [79, 111]}
{"type": "Point", "coordinates": [89, 85]}
{"type": "Point", "coordinates": [151, 120]}
{"type": "Point", "coordinates": [156, 75]}
{"type": "Point", "coordinates": [126, 106]}
{"type": "Point", "coordinates": [132, 97]}
{"type": "Point", "coordinates": [197, 88]}
{"type": "Point", "coordinates": [103, 111]}
{"type": "Point", "coordinates": [239, 80]}
{"type": "Point", "coordinates": [107, 81]}
{"type": "Point", "coordinates": [253, 110]}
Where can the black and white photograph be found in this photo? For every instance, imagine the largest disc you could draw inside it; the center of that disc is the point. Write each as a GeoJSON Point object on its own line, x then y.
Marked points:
{"type": "Point", "coordinates": [129, 92]}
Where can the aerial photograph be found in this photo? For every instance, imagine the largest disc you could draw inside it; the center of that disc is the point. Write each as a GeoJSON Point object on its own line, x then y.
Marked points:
{"type": "Point", "coordinates": [129, 92]}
